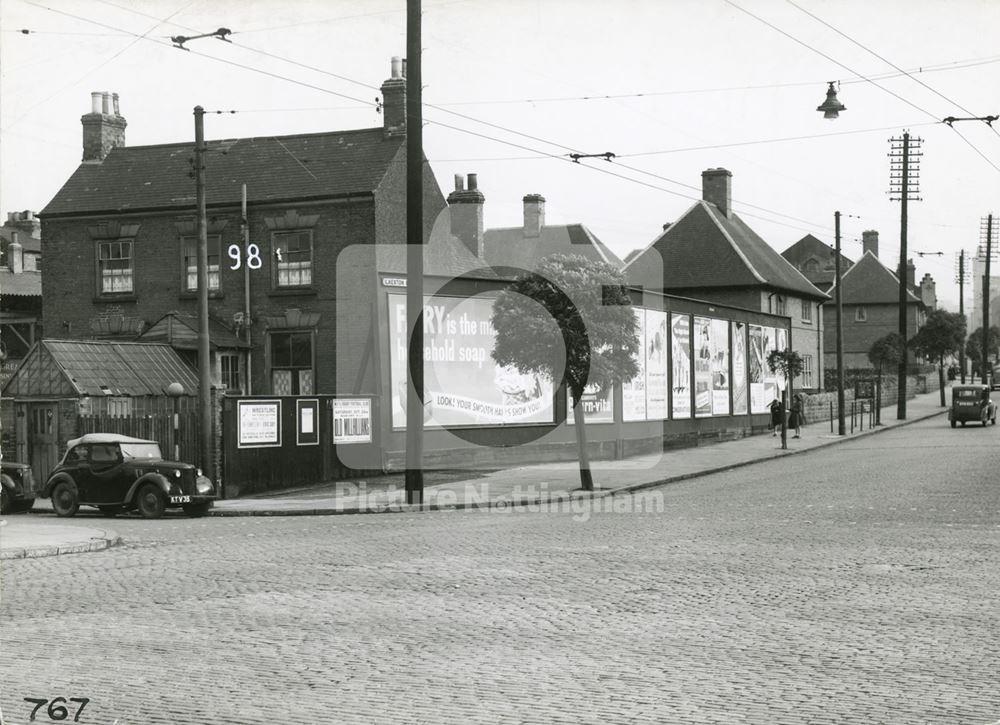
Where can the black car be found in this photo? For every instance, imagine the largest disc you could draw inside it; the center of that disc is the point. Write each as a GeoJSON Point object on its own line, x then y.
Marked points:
{"type": "Point", "coordinates": [115, 473]}
{"type": "Point", "coordinates": [18, 486]}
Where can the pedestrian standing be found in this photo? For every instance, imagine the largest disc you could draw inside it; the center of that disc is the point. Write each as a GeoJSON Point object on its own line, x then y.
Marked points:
{"type": "Point", "coordinates": [775, 416]}
{"type": "Point", "coordinates": [796, 418]}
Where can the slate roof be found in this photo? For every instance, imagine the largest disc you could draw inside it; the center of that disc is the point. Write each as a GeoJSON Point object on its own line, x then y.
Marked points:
{"type": "Point", "coordinates": [25, 284]}
{"type": "Point", "coordinates": [180, 331]}
{"type": "Point", "coordinates": [704, 249]}
{"type": "Point", "coordinates": [84, 367]}
{"type": "Point", "coordinates": [275, 168]}
{"type": "Point", "coordinates": [869, 282]}
{"type": "Point", "coordinates": [508, 247]}
{"type": "Point", "coordinates": [811, 247]}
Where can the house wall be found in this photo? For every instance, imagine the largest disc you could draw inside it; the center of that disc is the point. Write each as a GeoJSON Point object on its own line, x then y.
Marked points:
{"type": "Point", "coordinates": [859, 337]}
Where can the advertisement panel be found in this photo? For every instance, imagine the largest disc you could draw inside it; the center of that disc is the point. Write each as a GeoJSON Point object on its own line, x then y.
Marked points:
{"type": "Point", "coordinates": [634, 390]}
{"type": "Point", "coordinates": [759, 399]}
{"type": "Point", "coordinates": [657, 384]}
{"type": "Point", "coordinates": [352, 420]}
{"type": "Point", "coordinates": [720, 367]}
{"type": "Point", "coordinates": [258, 423]}
{"type": "Point", "coordinates": [598, 406]}
{"type": "Point", "coordinates": [680, 365]}
{"type": "Point", "coordinates": [463, 386]}
{"type": "Point", "coordinates": [739, 381]}
{"type": "Point", "coordinates": [703, 366]}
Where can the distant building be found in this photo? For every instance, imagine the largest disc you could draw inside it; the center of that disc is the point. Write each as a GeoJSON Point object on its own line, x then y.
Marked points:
{"type": "Point", "coordinates": [20, 288]}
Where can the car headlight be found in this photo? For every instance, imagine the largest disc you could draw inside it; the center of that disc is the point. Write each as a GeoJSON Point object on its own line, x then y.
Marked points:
{"type": "Point", "coordinates": [203, 485]}
{"type": "Point", "coordinates": [177, 474]}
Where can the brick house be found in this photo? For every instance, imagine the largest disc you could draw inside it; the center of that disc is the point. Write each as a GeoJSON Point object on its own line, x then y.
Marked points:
{"type": "Point", "coordinates": [815, 260]}
{"type": "Point", "coordinates": [710, 253]}
{"type": "Point", "coordinates": [120, 239]}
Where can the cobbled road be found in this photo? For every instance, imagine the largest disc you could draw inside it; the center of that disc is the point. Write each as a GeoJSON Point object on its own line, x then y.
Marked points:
{"type": "Point", "coordinates": [855, 584]}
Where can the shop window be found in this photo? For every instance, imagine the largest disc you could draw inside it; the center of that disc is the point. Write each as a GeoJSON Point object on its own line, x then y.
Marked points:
{"type": "Point", "coordinates": [189, 262]}
{"type": "Point", "coordinates": [115, 267]}
{"type": "Point", "coordinates": [293, 258]}
{"type": "Point", "coordinates": [291, 363]}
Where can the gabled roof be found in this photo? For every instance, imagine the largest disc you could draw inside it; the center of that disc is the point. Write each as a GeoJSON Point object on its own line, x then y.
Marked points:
{"type": "Point", "coordinates": [868, 282]}
{"type": "Point", "coordinates": [24, 284]}
{"type": "Point", "coordinates": [180, 331]}
{"type": "Point", "coordinates": [705, 249]}
{"type": "Point", "coordinates": [509, 247]}
{"type": "Point", "coordinates": [809, 247]}
{"type": "Point", "coordinates": [275, 168]}
{"type": "Point", "coordinates": [71, 368]}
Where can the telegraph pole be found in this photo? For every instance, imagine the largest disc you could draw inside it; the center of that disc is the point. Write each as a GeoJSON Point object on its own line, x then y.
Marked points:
{"type": "Point", "coordinates": [961, 308]}
{"type": "Point", "coordinates": [204, 374]}
{"type": "Point", "coordinates": [841, 422]}
{"type": "Point", "coordinates": [414, 481]}
{"type": "Point", "coordinates": [903, 181]}
{"type": "Point", "coordinates": [985, 358]}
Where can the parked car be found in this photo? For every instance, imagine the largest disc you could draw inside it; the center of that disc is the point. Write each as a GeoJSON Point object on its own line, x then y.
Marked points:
{"type": "Point", "coordinates": [18, 486]}
{"type": "Point", "coordinates": [116, 473]}
{"type": "Point", "coordinates": [971, 403]}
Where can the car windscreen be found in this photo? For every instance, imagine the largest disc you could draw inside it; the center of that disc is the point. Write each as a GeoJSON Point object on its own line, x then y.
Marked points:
{"type": "Point", "coordinates": [972, 394]}
{"type": "Point", "coordinates": [141, 451]}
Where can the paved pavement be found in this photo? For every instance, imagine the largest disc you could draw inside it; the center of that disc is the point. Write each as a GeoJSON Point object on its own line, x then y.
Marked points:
{"type": "Point", "coordinates": [38, 535]}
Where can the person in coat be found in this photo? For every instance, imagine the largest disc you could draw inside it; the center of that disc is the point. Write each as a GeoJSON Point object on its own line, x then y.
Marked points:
{"type": "Point", "coordinates": [796, 419]}
{"type": "Point", "coordinates": [775, 416]}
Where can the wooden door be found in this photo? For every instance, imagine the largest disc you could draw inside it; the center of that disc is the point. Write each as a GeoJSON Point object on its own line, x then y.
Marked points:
{"type": "Point", "coordinates": [43, 438]}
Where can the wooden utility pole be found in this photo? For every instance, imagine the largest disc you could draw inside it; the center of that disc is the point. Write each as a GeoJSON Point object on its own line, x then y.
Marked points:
{"type": "Point", "coordinates": [903, 181]}
{"type": "Point", "coordinates": [414, 481]}
{"type": "Point", "coordinates": [204, 373]}
{"type": "Point", "coordinates": [841, 422]}
{"type": "Point", "coordinates": [961, 309]}
{"type": "Point", "coordinates": [984, 365]}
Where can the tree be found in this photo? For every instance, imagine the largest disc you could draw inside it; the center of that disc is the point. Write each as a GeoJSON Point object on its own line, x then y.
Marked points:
{"type": "Point", "coordinates": [789, 364]}
{"type": "Point", "coordinates": [940, 336]}
{"type": "Point", "coordinates": [974, 350]}
{"type": "Point", "coordinates": [885, 351]}
{"type": "Point", "coordinates": [571, 320]}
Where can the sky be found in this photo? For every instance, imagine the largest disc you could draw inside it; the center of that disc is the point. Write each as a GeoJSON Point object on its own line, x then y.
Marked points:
{"type": "Point", "coordinates": [511, 87]}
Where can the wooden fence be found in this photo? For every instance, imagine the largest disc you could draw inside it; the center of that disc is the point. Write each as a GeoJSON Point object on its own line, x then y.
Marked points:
{"type": "Point", "coordinates": [157, 428]}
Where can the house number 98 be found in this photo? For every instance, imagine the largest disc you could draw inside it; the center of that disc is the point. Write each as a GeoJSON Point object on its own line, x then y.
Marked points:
{"type": "Point", "coordinates": [236, 254]}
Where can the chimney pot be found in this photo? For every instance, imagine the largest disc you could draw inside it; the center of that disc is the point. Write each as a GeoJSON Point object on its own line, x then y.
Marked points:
{"type": "Point", "coordinates": [102, 131]}
{"type": "Point", "coordinates": [106, 103]}
{"type": "Point", "coordinates": [396, 67]}
{"type": "Point", "coordinates": [114, 103]}
{"type": "Point", "coordinates": [459, 183]}
{"type": "Point", "coordinates": [465, 207]}
{"type": "Point", "coordinates": [473, 183]}
{"type": "Point", "coordinates": [95, 102]}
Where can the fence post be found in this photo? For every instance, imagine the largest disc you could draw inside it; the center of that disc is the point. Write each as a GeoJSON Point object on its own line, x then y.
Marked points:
{"type": "Point", "coordinates": [831, 416]}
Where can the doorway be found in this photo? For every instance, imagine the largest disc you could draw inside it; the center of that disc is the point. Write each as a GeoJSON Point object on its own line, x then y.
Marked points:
{"type": "Point", "coordinates": [43, 438]}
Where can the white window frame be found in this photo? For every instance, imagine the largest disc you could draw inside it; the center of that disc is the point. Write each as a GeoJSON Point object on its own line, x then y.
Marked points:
{"type": "Point", "coordinates": [115, 280]}
{"type": "Point", "coordinates": [189, 262]}
{"type": "Point", "coordinates": [807, 311]}
{"type": "Point", "coordinates": [861, 313]}
{"type": "Point", "coordinates": [807, 371]}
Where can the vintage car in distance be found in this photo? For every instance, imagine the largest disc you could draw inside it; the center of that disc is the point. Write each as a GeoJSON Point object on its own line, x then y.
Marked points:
{"type": "Point", "coordinates": [18, 486]}
{"type": "Point", "coordinates": [971, 403]}
{"type": "Point", "coordinates": [116, 473]}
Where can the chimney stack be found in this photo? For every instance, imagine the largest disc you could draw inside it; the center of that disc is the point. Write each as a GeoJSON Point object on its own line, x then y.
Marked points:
{"type": "Point", "coordinates": [394, 99]}
{"type": "Point", "coordinates": [928, 292]}
{"type": "Point", "coordinates": [869, 242]}
{"type": "Point", "coordinates": [911, 274]}
{"type": "Point", "coordinates": [717, 188]}
{"type": "Point", "coordinates": [15, 255]}
{"type": "Point", "coordinates": [466, 209]}
{"type": "Point", "coordinates": [534, 215]}
{"type": "Point", "coordinates": [103, 127]}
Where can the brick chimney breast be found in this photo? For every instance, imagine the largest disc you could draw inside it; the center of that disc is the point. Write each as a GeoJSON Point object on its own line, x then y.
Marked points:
{"type": "Point", "coordinates": [717, 188]}
{"type": "Point", "coordinates": [911, 274]}
{"type": "Point", "coordinates": [103, 128]}
{"type": "Point", "coordinates": [394, 100]}
{"type": "Point", "coordinates": [869, 242]}
{"type": "Point", "coordinates": [466, 209]}
{"type": "Point", "coordinates": [534, 215]}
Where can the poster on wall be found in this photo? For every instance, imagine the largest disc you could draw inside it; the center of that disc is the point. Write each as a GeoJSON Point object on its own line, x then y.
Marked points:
{"type": "Point", "coordinates": [780, 343]}
{"type": "Point", "coordinates": [258, 423]}
{"type": "Point", "coordinates": [657, 384]}
{"type": "Point", "coordinates": [720, 367]}
{"type": "Point", "coordinates": [634, 390]}
{"type": "Point", "coordinates": [739, 381]}
{"type": "Point", "coordinates": [680, 365]}
{"type": "Point", "coordinates": [702, 366]}
{"type": "Point", "coordinates": [598, 406]}
{"type": "Point", "coordinates": [463, 386]}
{"type": "Point", "coordinates": [307, 422]}
{"type": "Point", "coordinates": [757, 360]}
{"type": "Point", "coordinates": [352, 420]}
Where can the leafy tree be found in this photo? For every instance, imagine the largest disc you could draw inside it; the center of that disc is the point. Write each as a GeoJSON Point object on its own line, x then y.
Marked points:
{"type": "Point", "coordinates": [939, 337]}
{"type": "Point", "coordinates": [885, 352]}
{"type": "Point", "coordinates": [974, 349]}
{"type": "Point", "coordinates": [789, 364]}
{"type": "Point", "coordinates": [571, 320]}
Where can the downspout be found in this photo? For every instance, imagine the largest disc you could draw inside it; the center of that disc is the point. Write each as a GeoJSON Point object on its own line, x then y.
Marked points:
{"type": "Point", "coordinates": [245, 234]}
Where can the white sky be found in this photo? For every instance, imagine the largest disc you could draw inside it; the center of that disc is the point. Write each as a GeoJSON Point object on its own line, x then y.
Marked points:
{"type": "Point", "coordinates": [715, 84]}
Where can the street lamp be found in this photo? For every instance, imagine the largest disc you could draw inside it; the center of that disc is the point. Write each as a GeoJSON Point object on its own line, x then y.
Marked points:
{"type": "Point", "coordinates": [175, 391]}
{"type": "Point", "coordinates": [831, 107]}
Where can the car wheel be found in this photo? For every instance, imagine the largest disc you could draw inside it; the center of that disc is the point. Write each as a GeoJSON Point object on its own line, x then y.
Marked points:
{"type": "Point", "coordinates": [197, 509]}
{"type": "Point", "coordinates": [151, 501]}
{"type": "Point", "coordinates": [64, 499]}
{"type": "Point", "coordinates": [110, 511]}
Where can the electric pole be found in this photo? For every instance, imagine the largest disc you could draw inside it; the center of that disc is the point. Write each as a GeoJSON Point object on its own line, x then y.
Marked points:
{"type": "Point", "coordinates": [985, 358]}
{"type": "Point", "coordinates": [961, 308]}
{"type": "Point", "coordinates": [204, 374]}
{"type": "Point", "coordinates": [904, 180]}
{"type": "Point", "coordinates": [414, 480]}
{"type": "Point", "coordinates": [841, 422]}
